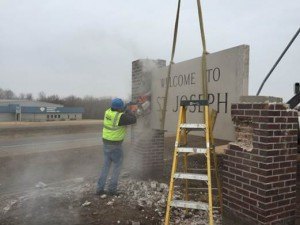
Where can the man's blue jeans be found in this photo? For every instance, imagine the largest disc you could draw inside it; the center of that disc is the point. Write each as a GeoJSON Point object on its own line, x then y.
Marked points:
{"type": "Point", "coordinates": [113, 154]}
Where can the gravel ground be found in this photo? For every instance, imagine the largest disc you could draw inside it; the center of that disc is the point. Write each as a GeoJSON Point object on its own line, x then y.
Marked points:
{"type": "Point", "coordinates": [74, 202]}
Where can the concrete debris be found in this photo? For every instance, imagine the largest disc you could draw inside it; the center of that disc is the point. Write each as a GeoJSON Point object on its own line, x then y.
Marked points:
{"type": "Point", "coordinates": [103, 196]}
{"type": "Point", "coordinates": [135, 223]}
{"type": "Point", "coordinates": [153, 194]}
{"type": "Point", "coordinates": [40, 185]}
{"type": "Point", "coordinates": [9, 205]}
{"type": "Point", "coordinates": [110, 203]}
{"type": "Point", "coordinates": [86, 203]}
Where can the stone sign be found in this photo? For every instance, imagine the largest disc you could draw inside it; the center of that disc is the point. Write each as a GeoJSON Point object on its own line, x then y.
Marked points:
{"type": "Point", "coordinates": [227, 76]}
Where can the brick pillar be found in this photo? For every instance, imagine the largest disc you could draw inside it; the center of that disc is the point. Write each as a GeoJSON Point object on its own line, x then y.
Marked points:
{"type": "Point", "coordinates": [259, 175]}
{"type": "Point", "coordinates": [148, 144]}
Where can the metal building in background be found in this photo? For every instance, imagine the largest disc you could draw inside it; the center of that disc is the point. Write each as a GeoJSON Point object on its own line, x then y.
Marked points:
{"type": "Point", "coordinates": [26, 110]}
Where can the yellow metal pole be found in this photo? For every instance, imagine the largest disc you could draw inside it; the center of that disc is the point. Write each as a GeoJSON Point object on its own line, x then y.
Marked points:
{"type": "Point", "coordinates": [164, 109]}
{"type": "Point", "coordinates": [207, 137]}
{"type": "Point", "coordinates": [203, 67]}
{"type": "Point", "coordinates": [213, 116]}
{"type": "Point", "coordinates": [174, 166]}
{"type": "Point", "coordinates": [185, 162]}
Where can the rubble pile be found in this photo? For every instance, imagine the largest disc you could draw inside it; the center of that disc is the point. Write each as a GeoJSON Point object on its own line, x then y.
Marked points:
{"type": "Point", "coordinates": [152, 194]}
{"type": "Point", "coordinates": [144, 196]}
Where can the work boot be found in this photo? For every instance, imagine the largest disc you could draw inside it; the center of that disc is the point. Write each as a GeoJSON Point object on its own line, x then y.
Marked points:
{"type": "Point", "coordinates": [113, 193]}
{"type": "Point", "coordinates": [100, 192]}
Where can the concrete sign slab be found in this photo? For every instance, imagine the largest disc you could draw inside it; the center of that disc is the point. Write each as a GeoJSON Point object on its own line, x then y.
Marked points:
{"type": "Point", "coordinates": [227, 76]}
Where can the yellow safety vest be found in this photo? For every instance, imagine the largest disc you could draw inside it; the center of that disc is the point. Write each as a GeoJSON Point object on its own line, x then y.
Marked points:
{"type": "Point", "coordinates": [111, 130]}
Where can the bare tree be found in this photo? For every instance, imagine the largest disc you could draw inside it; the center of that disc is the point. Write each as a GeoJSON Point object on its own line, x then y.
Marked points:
{"type": "Point", "coordinates": [42, 96]}
{"type": "Point", "coordinates": [29, 96]}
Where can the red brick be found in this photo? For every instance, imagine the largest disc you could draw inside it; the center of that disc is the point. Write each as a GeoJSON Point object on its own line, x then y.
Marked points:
{"type": "Point", "coordinates": [264, 146]}
{"type": "Point", "coordinates": [235, 183]}
{"type": "Point", "coordinates": [279, 158]}
{"type": "Point", "coordinates": [228, 175]}
{"type": "Point", "coordinates": [284, 190]}
{"type": "Point", "coordinates": [250, 162]}
{"type": "Point", "coordinates": [236, 112]}
{"type": "Point", "coordinates": [277, 198]}
{"type": "Point", "coordinates": [264, 152]}
{"type": "Point", "coordinates": [258, 210]}
{"type": "Point", "coordinates": [235, 194]}
{"type": "Point", "coordinates": [264, 119]}
{"type": "Point", "coordinates": [279, 145]}
{"type": "Point", "coordinates": [285, 177]}
{"type": "Point", "coordinates": [235, 171]}
{"type": "Point", "coordinates": [251, 112]}
{"type": "Point", "coordinates": [280, 120]}
{"type": "Point", "coordinates": [229, 152]}
{"type": "Point", "coordinates": [250, 188]}
{"type": "Point", "coordinates": [286, 139]}
{"type": "Point", "coordinates": [292, 132]}
{"type": "Point", "coordinates": [260, 198]}
{"type": "Point", "coordinates": [281, 107]}
{"type": "Point", "coordinates": [262, 219]}
{"type": "Point", "coordinates": [236, 160]}
{"type": "Point", "coordinates": [266, 206]}
{"type": "Point", "coordinates": [261, 159]}
{"type": "Point", "coordinates": [268, 126]}
{"type": "Point", "coordinates": [243, 192]}
{"type": "Point", "coordinates": [233, 106]}
{"type": "Point", "coordinates": [243, 167]}
{"type": "Point", "coordinates": [261, 172]}
{"type": "Point", "coordinates": [260, 106]}
{"type": "Point", "coordinates": [290, 170]}
{"type": "Point", "coordinates": [234, 206]}
{"type": "Point", "coordinates": [261, 185]}
{"type": "Point", "coordinates": [269, 139]}
{"type": "Point", "coordinates": [268, 179]}
{"type": "Point", "coordinates": [278, 171]}
{"type": "Point", "coordinates": [238, 202]}
{"type": "Point", "coordinates": [290, 195]}
{"type": "Point", "coordinates": [278, 184]}
{"type": "Point", "coordinates": [250, 213]}
{"type": "Point", "coordinates": [229, 163]}
{"type": "Point", "coordinates": [290, 182]}
{"type": "Point", "coordinates": [285, 164]}
{"type": "Point", "coordinates": [243, 155]}
{"type": "Point", "coordinates": [242, 179]}
{"type": "Point", "coordinates": [284, 202]}
{"type": "Point", "coordinates": [244, 106]}
{"type": "Point", "coordinates": [268, 193]}
{"type": "Point", "coordinates": [293, 120]}
{"type": "Point", "coordinates": [281, 216]}
{"type": "Point", "coordinates": [279, 132]}
{"type": "Point", "coordinates": [262, 132]}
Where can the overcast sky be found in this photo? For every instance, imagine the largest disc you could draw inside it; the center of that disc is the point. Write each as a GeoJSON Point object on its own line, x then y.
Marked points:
{"type": "Point", "coordinates": [85, 47]}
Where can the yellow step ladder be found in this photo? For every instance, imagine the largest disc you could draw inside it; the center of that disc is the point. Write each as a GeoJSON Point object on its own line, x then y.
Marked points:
{"type": "Point", "coordinates": [181, 149]}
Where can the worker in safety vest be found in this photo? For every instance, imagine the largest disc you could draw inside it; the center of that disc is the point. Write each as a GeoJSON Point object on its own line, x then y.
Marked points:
{"type": "Point", "coordinates": [115, 121]}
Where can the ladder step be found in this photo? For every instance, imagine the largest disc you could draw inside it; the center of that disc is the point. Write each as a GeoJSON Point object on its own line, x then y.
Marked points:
{"type": "Point", "coordinates": [195, 126]}
{"type": "Point", "coordinates": [190, 204]}
{"type": "Point", "coordinates": [190, 176]}
{"type": "Point", "coordinates": [191, 150]}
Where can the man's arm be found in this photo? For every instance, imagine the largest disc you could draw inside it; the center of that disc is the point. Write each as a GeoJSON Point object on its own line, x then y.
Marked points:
{"type": "Point", "coordinates": [127, 118]}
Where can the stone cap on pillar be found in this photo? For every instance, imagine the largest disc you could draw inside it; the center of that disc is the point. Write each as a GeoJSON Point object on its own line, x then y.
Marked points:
{"type": "Point", "coordinates": [260, 99]}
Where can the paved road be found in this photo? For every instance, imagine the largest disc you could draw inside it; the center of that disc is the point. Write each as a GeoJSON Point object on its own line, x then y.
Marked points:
{"type": "Point", "coordinates": [24, 145]}
{"type": "Point", "coordinates": [24, 161]}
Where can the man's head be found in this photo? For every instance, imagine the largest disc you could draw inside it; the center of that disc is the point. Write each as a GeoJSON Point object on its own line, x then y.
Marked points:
{"type": "Point", "coordinates": [117, 104]}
